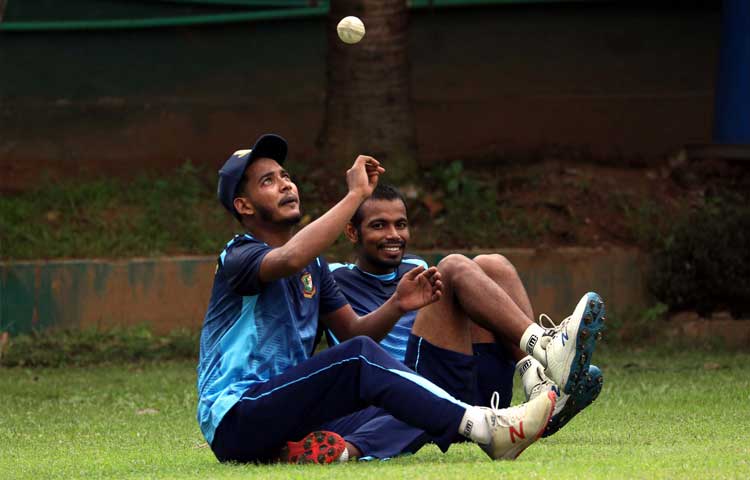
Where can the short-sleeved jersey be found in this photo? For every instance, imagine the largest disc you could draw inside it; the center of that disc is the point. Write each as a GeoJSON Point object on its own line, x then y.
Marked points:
{"type": "Point", "coordinates": [253, 330]}
{"type": "Point", "coordinates": [367, 292]}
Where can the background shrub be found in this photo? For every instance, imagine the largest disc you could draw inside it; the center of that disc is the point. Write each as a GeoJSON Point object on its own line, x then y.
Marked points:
{"type": "Point", "coordinates": [703, 263]}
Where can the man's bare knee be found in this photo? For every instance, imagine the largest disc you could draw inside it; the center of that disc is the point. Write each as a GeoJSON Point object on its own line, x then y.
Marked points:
{"type": "Point", "coordinates": [496, 265]}
{"type": "Point", "coordinates": [454, 265]}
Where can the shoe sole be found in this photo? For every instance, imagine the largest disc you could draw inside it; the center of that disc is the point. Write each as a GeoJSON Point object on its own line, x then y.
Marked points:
{"type": "Point", "coordinates": [318, 447]}
{"type": "Point", "coordinates": [512, 455]}
{"type": "Point", "coordinates": [589, 331]}
{"type": "Point", "coordinates": [584, 394]}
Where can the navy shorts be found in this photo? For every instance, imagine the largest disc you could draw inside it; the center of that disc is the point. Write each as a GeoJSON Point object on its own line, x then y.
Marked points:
{"type": "Point", "coordinates": [470, 378]}
{"type": "Point", "coordinates": [454, 372]}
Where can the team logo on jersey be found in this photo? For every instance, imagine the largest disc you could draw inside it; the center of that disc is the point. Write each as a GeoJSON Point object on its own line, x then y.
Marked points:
{"type": "Point", "coordinates": [308, 289]}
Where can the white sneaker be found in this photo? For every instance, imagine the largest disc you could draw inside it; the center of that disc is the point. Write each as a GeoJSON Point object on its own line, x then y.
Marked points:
{"type": "Point", "coordinates": [569, 346]}
{"type": "Point", "coordinates": [536, 383]}
{"type": "Point", "coordinates": [515, 428]}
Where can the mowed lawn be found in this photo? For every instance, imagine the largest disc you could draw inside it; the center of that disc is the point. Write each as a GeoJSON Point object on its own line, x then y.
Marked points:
{"type": "Point", "coordinates": [677, 414]}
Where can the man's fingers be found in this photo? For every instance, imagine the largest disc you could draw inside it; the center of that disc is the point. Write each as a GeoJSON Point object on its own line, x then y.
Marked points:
{"type": "Point", "coordinates": [374, 170]}
{"type": "Point", "coordinates": [430, 274]}
{"type": "Point", "coordinates": [367, 161]}
{"type": "Point", "coordinates": [414, 272]}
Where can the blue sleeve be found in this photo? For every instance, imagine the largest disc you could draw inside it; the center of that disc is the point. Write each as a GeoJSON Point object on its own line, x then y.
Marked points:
{"type": "Point", "coordinates": [331, 298]}
{"type": "Point", "coordinates": [414, 260]}
{"type": "Point", "coordinates": [241, 266]}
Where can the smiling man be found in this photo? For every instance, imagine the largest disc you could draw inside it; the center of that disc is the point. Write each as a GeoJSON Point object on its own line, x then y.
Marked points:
{"type": "Point", "coordinates": [260, 390]}
{"type": "Point", "coordinates": [464, 341]}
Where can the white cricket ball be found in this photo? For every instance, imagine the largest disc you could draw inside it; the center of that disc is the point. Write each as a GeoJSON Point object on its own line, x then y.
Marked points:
{"type": "Point", "coordinates": [350, 29]}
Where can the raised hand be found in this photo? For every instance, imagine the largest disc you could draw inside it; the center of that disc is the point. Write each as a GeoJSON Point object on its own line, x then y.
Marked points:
{"type": "Point", "coordinates": [362, 178]}
{"type": "Point", "coordinates": [419, 288]}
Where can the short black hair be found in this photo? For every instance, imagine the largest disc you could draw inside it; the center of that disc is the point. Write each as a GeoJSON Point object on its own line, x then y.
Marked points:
{"type": "Point", "coordinates": [382, 192]}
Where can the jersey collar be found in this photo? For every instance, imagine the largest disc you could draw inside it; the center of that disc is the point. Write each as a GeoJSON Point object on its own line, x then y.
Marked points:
{"type": "Point", "coordinates": [384, 278]}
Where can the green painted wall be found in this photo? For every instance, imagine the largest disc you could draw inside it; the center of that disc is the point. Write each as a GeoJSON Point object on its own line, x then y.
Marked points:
{"type": "Point", "coordinates": [170, 293]}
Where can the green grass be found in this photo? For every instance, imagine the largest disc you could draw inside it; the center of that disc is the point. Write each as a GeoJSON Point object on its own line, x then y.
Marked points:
{"type": "Point", "coordinates": [75, 347]}
{"type": "Point", "coordinates": [660, 415]}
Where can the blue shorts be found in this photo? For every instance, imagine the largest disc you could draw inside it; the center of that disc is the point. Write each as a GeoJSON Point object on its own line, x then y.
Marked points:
{"type": "Point", "coordinates": [470, 378]}
{"type": "Point", "coordinates": [454, 372]}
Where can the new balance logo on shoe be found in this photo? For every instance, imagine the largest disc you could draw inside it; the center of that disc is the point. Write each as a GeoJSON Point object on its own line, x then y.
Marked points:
{"type": "Point", "coordinates": [531, 344]}
{"type": "Point", "coordinates": [564, 337]}
{"type": "Point", "coordinates": [509, 426]}
{"type": "Point", "coordinates": [516, 433]}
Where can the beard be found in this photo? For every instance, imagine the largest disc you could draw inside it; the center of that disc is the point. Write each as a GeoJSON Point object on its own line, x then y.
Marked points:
{"type": "Point", "coordinates": [378, 262]}
{"type": "Point", "coordinates": [266, 215]}
{"type": "Point", "coordinates": [385, 263]}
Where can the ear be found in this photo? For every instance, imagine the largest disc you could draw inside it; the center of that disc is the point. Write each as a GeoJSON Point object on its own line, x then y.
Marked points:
{"type": "Point", "coordinates": [243, 206]}
{"type": "Point", "coordinates": [351, 233]}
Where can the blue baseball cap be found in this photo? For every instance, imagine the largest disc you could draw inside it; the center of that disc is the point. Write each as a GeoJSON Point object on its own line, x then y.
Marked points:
{"type": "Point", "coordinates": [267, 146]}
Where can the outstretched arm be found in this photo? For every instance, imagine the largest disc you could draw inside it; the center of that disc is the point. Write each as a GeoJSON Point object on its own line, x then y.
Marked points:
{"type": "Point", "coordinates": [417, 288]}
{"type": "Point", "coordinates": [312, 240]}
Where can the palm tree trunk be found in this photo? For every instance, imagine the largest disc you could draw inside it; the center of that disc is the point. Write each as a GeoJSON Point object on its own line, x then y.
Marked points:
{"type": "Point", "coordinates": [368, 99]}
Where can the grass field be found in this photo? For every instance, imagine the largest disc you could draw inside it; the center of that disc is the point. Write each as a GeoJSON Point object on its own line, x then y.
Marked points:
{"type": "Point", "coordinates": [661, 415]}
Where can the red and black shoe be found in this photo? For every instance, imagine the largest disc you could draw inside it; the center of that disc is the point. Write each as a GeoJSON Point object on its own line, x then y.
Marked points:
{"type": "Point", "coordinates": [317, 447]}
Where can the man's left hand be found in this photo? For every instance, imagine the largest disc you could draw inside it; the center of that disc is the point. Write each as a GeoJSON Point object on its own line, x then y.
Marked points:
{"type": "Point", "coordinates": [418, 288]}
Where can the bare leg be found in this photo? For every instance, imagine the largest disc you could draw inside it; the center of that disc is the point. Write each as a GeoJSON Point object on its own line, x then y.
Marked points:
{"type": "Point", "coordinates": [444, 323]}
{"type": "Point", "coordinates": [502, 272]}
{"type": "Point", "coordinates": [353, 451]}
{"type": "Point", "coordinates": [469, 293]}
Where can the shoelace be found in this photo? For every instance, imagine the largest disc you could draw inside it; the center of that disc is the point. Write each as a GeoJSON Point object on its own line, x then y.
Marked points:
{"type": "Point", "coordinates": [495, 402]}
{"type": "Point", "coordinates": [555, 327]}
{"type": "Point", "coordinates": [506, 415]}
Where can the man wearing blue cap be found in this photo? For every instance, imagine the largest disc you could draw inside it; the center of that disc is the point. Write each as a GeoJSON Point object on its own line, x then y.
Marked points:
{"type": "Point", "coordinates": [260, 389]}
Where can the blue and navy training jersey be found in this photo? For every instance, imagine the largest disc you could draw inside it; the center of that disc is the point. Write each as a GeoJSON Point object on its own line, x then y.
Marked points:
{"type": "Point", "coordinates": [367, 292]}
{"type": "Point", "coordinates": [253, 330]}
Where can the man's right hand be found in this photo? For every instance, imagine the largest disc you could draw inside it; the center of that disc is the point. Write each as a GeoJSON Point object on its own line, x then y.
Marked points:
{"type": "Point", "coordinates": [362, 178]}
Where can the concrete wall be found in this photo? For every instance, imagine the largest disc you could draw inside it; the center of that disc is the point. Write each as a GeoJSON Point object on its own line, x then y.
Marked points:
{"type": "Point", "coordinates": [618, 80]}
{"type": "Point", "coordinates": [169, 293]}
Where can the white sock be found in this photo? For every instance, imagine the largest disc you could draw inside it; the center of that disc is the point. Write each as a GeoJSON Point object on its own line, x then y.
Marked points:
{"type": "Point", "coordinates": [532, 376]}
{"type": "Point", "coordinates": [474, 426]}
{"type": "Point", "coordinates": [525, 364]}
{"type": "Point", "coordinates": [344, 457]}
{"type": "Point", "coordinates": [531, 343]}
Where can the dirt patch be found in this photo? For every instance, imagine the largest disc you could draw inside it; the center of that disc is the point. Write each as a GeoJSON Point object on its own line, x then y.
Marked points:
{"type": "Point", "coordinates": [563, 202]}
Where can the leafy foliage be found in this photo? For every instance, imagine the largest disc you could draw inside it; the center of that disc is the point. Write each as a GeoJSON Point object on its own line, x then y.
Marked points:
{"type": "Point", "coordinates": [704, 261]}
{"type": "Point", "coordinates": [472, 211]}
{"type": "Point", "coordinates": [151, 215]}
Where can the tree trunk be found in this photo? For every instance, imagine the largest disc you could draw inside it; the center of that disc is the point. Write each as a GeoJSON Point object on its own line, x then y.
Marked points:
{"type": "Point", "coordinates": [368, 100]}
